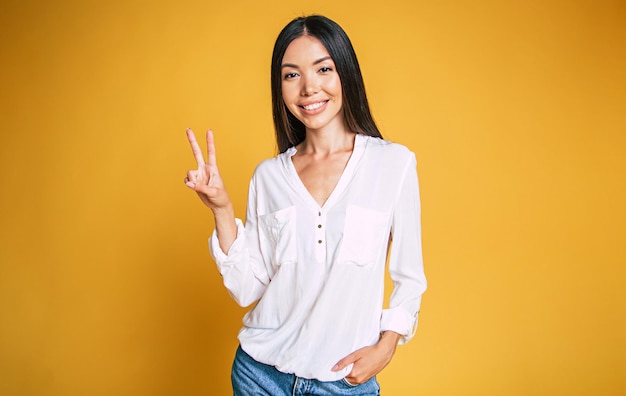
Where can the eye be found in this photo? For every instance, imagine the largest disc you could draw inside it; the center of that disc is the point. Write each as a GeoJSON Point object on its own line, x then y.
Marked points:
{"type": "Point", "coordinates": [325, 69]}
{"type": "Point", "coordinates": [289, 76]}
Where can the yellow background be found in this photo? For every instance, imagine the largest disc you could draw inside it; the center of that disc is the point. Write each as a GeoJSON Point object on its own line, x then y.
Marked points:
{"type": "Point", "coordinates": [516, 111]}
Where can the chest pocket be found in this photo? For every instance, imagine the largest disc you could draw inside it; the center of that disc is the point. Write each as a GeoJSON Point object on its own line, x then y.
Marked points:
{"type": "Point", "coordinates": [277, 231]}
{"type": "Point", "coordinates": [365, 234]}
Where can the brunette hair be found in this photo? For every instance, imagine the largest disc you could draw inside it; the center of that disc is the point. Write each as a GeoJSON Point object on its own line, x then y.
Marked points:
{"type": "Point", "coordinates": [356, 113]}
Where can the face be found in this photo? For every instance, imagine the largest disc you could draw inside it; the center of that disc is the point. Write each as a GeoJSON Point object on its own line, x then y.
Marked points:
{"type": "Point", "coordinates": [310, 85]}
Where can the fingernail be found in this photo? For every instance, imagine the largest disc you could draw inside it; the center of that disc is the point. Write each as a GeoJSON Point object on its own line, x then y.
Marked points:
{"type": "Point", "coordinates": [335, 367]}
{"type": "Point", "coordinates": [190, 184]}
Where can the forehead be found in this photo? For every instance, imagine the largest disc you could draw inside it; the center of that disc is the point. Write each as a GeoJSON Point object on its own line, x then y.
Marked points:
{"type": "Point", "coordinates": [305, 50]}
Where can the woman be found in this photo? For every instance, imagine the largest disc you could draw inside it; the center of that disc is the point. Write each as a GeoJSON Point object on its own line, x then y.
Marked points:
{"type": "Point", "coordinates": [319, 223]}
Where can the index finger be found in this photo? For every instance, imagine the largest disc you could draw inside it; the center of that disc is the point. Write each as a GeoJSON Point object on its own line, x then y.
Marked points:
{"type": "Point", "coordinates": [346, 361]}
{"type": "Point", "coordinates": [195, 148]}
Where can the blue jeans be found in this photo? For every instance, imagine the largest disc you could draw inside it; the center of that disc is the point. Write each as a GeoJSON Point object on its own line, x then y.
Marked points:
{"type": "Point", "coordinates": [251, 378]}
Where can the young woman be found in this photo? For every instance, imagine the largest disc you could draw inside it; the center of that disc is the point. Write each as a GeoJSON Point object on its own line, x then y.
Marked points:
{"type": "Point", "coordinates": [321, 218]}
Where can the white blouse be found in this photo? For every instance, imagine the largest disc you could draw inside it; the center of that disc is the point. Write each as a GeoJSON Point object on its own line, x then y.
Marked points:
{"type": "Point", "coordinates": [318, 272]}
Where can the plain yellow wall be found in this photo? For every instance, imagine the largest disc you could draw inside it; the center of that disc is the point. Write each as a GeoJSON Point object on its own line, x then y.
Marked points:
{"type": "Point", "coordinates": [516, 111]}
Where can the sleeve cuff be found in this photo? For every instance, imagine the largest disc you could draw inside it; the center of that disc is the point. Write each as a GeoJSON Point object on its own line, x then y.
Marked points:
{"type": "Point", "coordinates": [221, 257]}
{"type": "Point", "coordinates": [399, 321]}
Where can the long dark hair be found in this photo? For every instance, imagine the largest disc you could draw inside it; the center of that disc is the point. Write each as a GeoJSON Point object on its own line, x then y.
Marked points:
{"type": "Point", "coordinates": [356, 112]}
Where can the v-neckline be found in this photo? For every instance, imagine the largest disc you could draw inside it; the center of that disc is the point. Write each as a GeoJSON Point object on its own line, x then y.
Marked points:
{"type": "Point", "coordinates": [342, 183]}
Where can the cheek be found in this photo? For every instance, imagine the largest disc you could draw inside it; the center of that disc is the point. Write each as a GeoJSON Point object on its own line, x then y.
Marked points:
{"type": "Point", "coordinates": [286, 100]}
{"type": "Point", "coordinates": [290, 109]}
{"type": "Point", "coordinates": [288, 104]}
{"type": "Point", "coordinates": [287, 92]}
{"type": "Point", "coordinates": [336, 87]}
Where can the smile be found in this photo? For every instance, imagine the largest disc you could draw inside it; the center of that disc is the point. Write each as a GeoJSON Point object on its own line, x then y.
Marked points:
{"type": "Point", "coordinates": [314, 106]}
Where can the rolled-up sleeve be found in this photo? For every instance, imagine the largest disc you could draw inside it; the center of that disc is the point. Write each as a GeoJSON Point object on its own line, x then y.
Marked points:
{"type": "Point", "coordinates": [242, 269]}
{"type": "Point", "coordinates": [406, 266]}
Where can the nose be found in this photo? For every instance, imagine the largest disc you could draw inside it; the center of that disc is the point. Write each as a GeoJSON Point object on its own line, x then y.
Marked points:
{"type": "Point", "coordinates": [310, 85]}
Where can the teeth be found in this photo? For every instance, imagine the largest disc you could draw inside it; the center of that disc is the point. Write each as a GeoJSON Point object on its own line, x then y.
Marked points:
{"type": "Point", "coordinates": [313, 106]}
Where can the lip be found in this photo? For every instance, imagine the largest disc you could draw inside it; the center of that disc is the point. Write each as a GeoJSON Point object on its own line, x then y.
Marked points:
{"type": "Point", "coordinates": [322, 105]}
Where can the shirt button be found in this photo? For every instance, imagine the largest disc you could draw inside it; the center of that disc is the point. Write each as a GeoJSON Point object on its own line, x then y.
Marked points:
{"type": "Point", "coordinates": [320, 241]}
{"type": "Point", "coordinates": [319, 213]}
{"type": "Point", "coordinates": [319, 226]}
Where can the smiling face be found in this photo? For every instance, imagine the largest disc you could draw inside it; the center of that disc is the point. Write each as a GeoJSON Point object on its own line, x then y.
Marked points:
{"type": "Point", "coordinates": [311, 88]}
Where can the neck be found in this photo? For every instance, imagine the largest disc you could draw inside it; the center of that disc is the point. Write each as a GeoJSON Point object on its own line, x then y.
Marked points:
{"type": "Point", "coordinates": [324, 143]}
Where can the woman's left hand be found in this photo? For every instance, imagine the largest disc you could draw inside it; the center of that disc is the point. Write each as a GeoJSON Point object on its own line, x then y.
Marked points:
{"type": "Point", "coordinates": [371, 360]}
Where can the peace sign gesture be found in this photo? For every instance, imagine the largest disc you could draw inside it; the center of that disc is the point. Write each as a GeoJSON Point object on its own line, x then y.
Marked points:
{"type": "Point", "coordinates": [206, 181]}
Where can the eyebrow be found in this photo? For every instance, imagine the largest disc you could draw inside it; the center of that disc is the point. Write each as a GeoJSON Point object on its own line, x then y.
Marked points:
{"type": "Point", "coordinates": [320, 60]}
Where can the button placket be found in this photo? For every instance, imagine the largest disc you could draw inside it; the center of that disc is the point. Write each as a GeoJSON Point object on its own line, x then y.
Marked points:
{"type": "Point", "coordinates": [320, 236]}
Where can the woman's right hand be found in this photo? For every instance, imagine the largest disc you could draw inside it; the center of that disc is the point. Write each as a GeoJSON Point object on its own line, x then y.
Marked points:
{"type": "Point", "coordinates": [206, 180]}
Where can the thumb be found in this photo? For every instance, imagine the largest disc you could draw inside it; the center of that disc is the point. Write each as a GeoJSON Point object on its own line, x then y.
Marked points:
{"type": "Point", "coordinates": [197, 187]}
